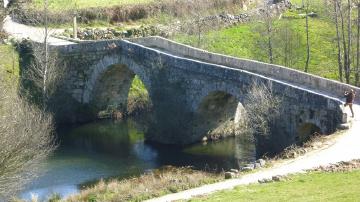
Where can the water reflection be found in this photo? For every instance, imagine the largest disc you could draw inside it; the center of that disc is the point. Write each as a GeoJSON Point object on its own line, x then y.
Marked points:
{"type": "Point", "coordinates": [106, 149]}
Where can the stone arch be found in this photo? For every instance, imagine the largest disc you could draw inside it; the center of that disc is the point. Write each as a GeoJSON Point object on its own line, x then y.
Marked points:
{"type": "Point", "coordinates": [110, 82]}
{"type": "Point", "coordinates": [218, 114]}
{"type": "Point", "coordinates": [103, 65]}
{"type": "Point", "coordinates": [305, 131]}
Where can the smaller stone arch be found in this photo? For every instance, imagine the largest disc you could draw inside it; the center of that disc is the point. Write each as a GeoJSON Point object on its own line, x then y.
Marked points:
{"type": "Point", "coordinates": [305, 131]}
{"type": "Point", "coordinates": [219, 114]}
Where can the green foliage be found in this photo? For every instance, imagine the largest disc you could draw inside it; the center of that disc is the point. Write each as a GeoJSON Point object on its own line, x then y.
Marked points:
{"type": "Point", "coordinates": [138, 99]}
{"type": "Point", "coordinates": [341, 186]}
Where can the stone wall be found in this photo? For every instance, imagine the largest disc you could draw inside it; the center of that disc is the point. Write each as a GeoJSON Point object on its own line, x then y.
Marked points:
{"type": "Point", "coordinates": [316, 83]}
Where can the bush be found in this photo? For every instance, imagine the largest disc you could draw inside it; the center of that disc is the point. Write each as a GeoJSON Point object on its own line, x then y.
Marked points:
{"type": "Point", "coordinates": [25, 140]}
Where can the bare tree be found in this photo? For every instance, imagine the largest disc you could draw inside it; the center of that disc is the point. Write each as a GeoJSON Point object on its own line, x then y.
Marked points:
{"type": "Point", "coordinates": [357, 70]}
{"type": "Point", "coordinates": [307, 36]}
{"type": "Point", "coordinates": [262, 108]}
{"type": "Point", "coordinates": [338, 40]}
{"type": "Point", "coordinates": [349, 43]}
{"type": "Point", "coordinates": [197, 22]}
{"type": "Point", "coordinates": [269, 28]}
{"type": "Point", "coordinates": [25, 140]}
{"type": "Point", "coordinates": [45, 71]}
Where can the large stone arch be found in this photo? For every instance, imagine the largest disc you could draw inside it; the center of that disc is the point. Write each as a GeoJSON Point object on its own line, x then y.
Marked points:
{"type": "Point", "coordinates": [110, 81]}
{"type": "Point", "coordinates": [107, 63]}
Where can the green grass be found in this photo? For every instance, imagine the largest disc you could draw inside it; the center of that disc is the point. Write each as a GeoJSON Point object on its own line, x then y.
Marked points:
{"type": "Point", "coordinates": [248, 41]}
{"type": "Point", "coordinates": [57, 5]}
{"type": "Point", "coordinates": [138, 88]}
{"type": "Point", "coordinates": [342, 186]}
{"type": "Point", "coordinates": [9, 61]}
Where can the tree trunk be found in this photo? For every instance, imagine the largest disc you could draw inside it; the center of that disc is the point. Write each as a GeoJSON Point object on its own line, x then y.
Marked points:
{"type": "Point", "coordinates": [349, 42]}
{"type": "Point", "coordinates": [307, 38]}
{"type": "Point", "coordinates": [46, 53]}
{"type": "Point", "coordinates": [269, 32]}
{"type": "Point", "coordinates": [338, 41]}
{"type": "Point", "coordinates": [357, 47]}
{"type": "Point", "coordinates": [347, 76]}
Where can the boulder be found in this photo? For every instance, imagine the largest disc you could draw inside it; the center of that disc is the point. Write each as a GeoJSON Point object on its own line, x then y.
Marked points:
{"type": "Point", "coordinates": [229, 175]}
{"type": "Point", "coordinates": [262, 162]}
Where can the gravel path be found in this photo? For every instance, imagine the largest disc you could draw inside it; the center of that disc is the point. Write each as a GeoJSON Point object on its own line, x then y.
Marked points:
{"type": "Point", "coordinates": [20, 31]}
{"type": "Point", "coordinates": [346, 148]}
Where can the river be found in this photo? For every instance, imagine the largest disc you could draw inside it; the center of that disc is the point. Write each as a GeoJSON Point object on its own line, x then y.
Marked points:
{"type": "Point", "coordinates": [108, 149]}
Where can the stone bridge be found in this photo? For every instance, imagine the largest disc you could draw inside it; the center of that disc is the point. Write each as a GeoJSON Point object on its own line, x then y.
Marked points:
{"type": "Point", "coordinates": [193, 91]}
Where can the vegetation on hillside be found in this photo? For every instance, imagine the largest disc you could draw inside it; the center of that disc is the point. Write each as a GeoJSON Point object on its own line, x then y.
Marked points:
{"type": "Point", "coordinates": [245, 41]}
{"type": "Point", "coordinates": [288, 38]}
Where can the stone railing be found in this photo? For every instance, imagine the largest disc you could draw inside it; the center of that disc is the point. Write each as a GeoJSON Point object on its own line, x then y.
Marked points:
{"type": "Point", "coordinates": [315, 83]}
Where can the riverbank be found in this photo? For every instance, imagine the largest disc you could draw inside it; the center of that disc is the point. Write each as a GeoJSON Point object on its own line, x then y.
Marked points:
{"type": "Point", "coordinates": [153, 184]}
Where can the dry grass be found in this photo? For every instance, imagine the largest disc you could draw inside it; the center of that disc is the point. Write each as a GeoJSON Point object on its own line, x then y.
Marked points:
{"type": "Point", "coordinates": [154, 184]}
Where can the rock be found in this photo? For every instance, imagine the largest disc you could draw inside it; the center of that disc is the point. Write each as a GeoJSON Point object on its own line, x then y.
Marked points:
{"type": "Point", "coordinates": [312, 14]}
{"type": "Point", "coordinates": [262, 162]}
{"type": "Point", "coordinates": [344, 126]}
{"type": "Point", "coordinates": [277, 178]}
{"type": "Point", "coordinates": [344, 118]}
{"type": "Point", "coordinates": [251, 165]}
{"type": "Point", "coordinates": [266, 180]}
{"type": "Point", "coordinates": [234, 170]}
{"type": "Point", "coordinates": [257, 165]}
{"type": "Point", "coordinates": [229, 175]}
{"type": "Point", "coordinates": [247, 168]}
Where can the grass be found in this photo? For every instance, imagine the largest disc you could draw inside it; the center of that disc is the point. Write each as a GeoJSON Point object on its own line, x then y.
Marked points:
{"type": "Point", "coordinates": [157, 183]}
{"type": "Point", "coordinates": [56, 5]}
{"type": "Point", "coordinates": [9, 61]}
{"type": "Point", "coordinates": [248, 41]}
{"type": "Point", "coordinates": [138, 98]}
{"type": "Point", "coordinates": [315, 186]}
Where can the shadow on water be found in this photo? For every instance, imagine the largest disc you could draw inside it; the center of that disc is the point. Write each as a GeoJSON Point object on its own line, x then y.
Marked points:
{"type": "Point", "coordinates": [108, 149]}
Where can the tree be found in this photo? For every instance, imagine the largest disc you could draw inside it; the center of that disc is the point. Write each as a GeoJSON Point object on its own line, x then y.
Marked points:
{"type": "Point", "coordinates": [268, 19]}
{"type": "Point", "coordinates": [357, 70]}
{"type": "Point", "coordinates": [25, 140]}
{"type": "Point", "coordinates": [338, 40]}
{"type": "Point", "coordinates": [45, 70]}
{"type": "Point", "coordinates": [262, 108]}
{"type": "Point", "coordinates": [307, 36]}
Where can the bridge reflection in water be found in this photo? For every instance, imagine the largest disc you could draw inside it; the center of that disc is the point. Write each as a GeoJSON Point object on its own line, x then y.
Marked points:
{"type": "Point", "coordinates": [108, 149]}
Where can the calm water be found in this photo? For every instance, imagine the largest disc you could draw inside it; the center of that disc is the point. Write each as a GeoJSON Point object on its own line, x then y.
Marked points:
{"type": "Point", "coordinates": [107, 149]}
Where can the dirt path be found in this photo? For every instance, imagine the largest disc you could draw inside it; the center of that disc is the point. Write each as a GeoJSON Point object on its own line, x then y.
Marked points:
{"type": "Point", "coordinates": [20, 31]}
{"type": "Point", "coordinates": [346, 148]}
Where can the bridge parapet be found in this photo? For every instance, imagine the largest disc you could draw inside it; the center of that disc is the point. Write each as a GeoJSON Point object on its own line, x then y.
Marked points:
{"type": "Point", "coordinates": [315, 83]}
